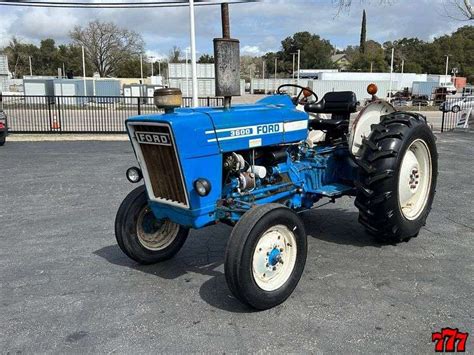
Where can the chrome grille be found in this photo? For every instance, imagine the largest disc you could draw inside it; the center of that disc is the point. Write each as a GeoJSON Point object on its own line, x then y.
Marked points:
{"type": "Point", "coordinates": [159, 163]}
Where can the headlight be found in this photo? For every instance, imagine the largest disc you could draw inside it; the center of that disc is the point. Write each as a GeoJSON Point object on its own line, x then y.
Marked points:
{"type": "Point", "coordinates": [202, 187]}
{"type": "Point", "coordinates": [134, 174]}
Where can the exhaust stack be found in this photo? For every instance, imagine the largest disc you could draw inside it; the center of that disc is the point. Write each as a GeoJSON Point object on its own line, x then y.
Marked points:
{"type": "Point", "coordinates": [227, 61]}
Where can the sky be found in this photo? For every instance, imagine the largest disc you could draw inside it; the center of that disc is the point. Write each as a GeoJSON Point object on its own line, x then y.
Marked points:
{"type": "Point", "coordinates": [260, 26]}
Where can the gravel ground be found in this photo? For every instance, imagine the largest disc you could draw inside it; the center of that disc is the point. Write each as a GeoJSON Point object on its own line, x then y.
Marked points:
{"type": "Point", "coordinates": [67, 288]}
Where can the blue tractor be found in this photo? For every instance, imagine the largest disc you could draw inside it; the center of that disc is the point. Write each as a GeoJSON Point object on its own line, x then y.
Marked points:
{"type": "Point", "coordinates": [255, 167]}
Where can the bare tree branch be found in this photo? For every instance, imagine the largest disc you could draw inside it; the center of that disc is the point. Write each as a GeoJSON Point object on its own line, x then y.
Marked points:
{"type": "Point", "coordinates": [107, 45]}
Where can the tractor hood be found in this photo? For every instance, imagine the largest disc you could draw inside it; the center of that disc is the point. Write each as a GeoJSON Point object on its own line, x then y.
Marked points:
{"type": "Point", "coordinates": [206, 130]}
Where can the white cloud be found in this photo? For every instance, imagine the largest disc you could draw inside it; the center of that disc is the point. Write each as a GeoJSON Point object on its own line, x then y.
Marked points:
{"type": "Point", "coordinates": [260, 27]}
{"type": "Point", "coordinates": [251, 50]}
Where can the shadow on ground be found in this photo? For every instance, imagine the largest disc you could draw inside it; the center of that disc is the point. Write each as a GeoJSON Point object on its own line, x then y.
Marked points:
{"type": "Point", "coordinates": [328, 225]}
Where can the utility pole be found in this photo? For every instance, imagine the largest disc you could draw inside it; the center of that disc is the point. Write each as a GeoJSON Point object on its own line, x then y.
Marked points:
{"type": "Point", "coordinates": [276, 66]}
{"type": "Point", "coordinates": [299, 61]}
{"type": "Point", "coordinates": [141, 67]}
{"type": "Point", "coordinates": [293, 72]}
{"type": "Point", "coordinates": [186, 74]}
{"type": "Point", "coordinates": [159, 67]}
{"type": "Point", "coordinates": [193, 53]}
{"type": "Point", "coordinates": [31, 68]}
{"type": "Point", "coordinates": [403, 65]}
{"type": "Point", "coordinates": [371, 66]}
{"type": "Point", "coordinates": [263, 77]}
{"type": "Point", "coordinates": [84, 71]}
{"type": "Point", "coordinates": [151, 60]}
{"type": "Point", "coordinates": [447, 64]}
{"type": "Point", "coordinates": [391, 73]}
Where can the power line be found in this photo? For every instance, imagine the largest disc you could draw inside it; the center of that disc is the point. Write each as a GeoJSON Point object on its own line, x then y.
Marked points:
{"type": "Point", "coordinates": [114, 5]}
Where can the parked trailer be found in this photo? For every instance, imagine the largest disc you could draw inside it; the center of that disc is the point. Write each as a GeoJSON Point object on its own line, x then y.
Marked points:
{"type": "Point", "coordinates": [321, 87]}
{"type": "Point", "coordinates": [399, 80]}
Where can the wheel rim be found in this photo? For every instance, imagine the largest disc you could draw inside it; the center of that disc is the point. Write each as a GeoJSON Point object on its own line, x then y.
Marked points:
{"type": "Point", "coordinates": [415, 179]}
{"type": "Point", "coordinates": [155, 234]}
{"type": "Point", "coordinates": [274, 258]}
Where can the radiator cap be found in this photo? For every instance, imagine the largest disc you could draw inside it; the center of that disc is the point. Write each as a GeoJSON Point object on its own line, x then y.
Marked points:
{"type": "Point", "coordinates": [168, 99]}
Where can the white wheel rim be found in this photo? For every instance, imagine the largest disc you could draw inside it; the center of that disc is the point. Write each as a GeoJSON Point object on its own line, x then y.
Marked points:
{"type": "Point", "coordinates": [162, 234]}
{"type": "Point", "coordinates": [274, 258]}
{"type": "Point", "coordinates": [415, 179]}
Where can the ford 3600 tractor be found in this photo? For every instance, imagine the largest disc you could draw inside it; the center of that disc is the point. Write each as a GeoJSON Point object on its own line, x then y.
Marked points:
{"type": "Point", "coordinates": [257, 166]}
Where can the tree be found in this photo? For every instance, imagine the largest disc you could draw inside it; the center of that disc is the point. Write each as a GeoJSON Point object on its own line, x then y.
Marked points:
{"type": "Point", "coordinates": [107, 46]}
{"type": "Point", "coordinates": [459, 9]}
{"type": "Point", "coordinates": [175, 55]}
{"type": "Point", "coordinates": [315, 51]}
{"type": "Point", "coordinates": [373, 58]}
{"type": "Point", "coordinates": [363, 33]}
{"type": "Point", "coordinates": [206, 58]}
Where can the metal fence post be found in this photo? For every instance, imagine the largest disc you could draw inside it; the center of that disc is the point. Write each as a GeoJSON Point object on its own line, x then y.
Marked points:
{"type": "Point", "coordinates": [139, 106]}
{"type": "Point", "coordinates": [442, 122]}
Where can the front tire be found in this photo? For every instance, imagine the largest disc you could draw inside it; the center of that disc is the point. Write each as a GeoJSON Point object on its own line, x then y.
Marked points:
{"type": "Point", "coordinates": [265, 256]}
{"type": "Point", "coordinates": [141, 236]}
{"type": "Point", "coordinates": [397, 177]}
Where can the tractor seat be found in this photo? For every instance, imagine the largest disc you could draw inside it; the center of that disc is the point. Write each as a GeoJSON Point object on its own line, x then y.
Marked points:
{"type": "Point", "coordinates": [320, 124]}
{"type": "Point", "coordinates": [336, 102]}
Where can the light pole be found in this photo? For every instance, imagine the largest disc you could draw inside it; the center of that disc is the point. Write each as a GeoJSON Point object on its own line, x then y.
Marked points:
{"type": "Point", "coordinates": [141, 67]}
{"type": "Point", "coordinates": [31, 68]}
{"type": "Point", "coordinates": [391, 73]}
{"type": "Point", "coordinates": [186, 72]}
{"type": "Point", "coordinates": [193, 53]}
{"type": "Point", "coordinates": [299, 61]}
{"type": "Point", "coordinates": [83, 71]}
{"type": "Point", "coordinates": [276, 66]}
{"type": "Point", "coordinates": [447, 65]}
{"type": "Point", "coordinates": [151, 59]}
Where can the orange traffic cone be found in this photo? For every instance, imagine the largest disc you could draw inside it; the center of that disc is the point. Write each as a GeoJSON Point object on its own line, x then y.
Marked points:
{"type": "Point", "coordinates": [55, 124]}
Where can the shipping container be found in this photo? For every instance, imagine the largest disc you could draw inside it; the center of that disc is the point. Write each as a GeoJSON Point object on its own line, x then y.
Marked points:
{"type": "Point", "coordinates": [424, 88]}
{"type": "Point", "coordinates": [131, 92]}
{"type": "Point", "coordinates": [4, 65]}
{"type": "Point", "coordinates": [181, 70]}
{"type": "Point", "coordinates": [460, 82]}
{"type": "Point", "coordinates": [403, 80]}
{"type": "Point", "coordinates": [38, 87]}
{"type": "Point", "coordinates": [107, 88]}
{"type": "Point", "coordinates": [74, 87]}
{"type": "Point", "coordinates": [267, 86]}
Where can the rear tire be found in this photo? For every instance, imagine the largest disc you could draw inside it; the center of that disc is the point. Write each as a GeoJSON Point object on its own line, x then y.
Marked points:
{"type": "Point", "coordinates": [397, 177]}
{"type": "Point", "coordinates": [456, 109]}
{"type": "Point", "coordinates": [265, 256]}
{"type": "Point", "coordinates": [2, 141]}
{"type": "Point", "coordinates": [141, 236]}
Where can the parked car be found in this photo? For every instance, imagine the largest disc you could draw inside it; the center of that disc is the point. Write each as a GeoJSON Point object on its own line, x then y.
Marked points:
{"type": "Point", "coordinates": [3, 123]}
{"type": "Point", "coordinates": [457, 105]}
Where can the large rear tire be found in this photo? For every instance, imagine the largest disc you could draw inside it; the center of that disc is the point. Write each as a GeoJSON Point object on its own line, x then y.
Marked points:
{"type": "Point", "coordinates": [265, 256]}
{"type": "Point", "coordinates": [397, 177]}
{"type": "Point", "coordinates": [141, 236]}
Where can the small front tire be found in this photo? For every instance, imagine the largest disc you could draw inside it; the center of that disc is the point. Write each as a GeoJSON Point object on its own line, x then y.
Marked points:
{"type": "Point", "coordinates": [265, 256]}
{"type": "Point", "coordinates": [141, 236]}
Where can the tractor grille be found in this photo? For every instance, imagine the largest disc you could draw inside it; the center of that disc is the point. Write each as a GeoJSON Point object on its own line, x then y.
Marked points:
{"type": "Point", "coordinates": [160, 162]}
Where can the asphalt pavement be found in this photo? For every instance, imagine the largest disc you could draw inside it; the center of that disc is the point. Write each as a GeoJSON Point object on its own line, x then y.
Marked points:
{"type": "Point", "coordinates": [65, 286]}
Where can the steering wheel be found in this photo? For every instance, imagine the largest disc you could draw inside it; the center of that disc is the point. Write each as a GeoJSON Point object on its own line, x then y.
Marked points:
{"type": "Point", "coordinates": [306, 92]}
